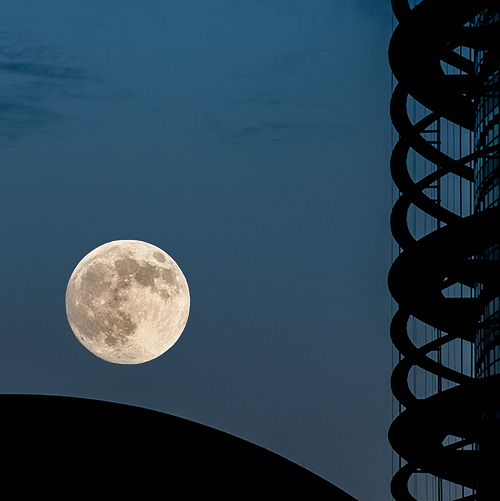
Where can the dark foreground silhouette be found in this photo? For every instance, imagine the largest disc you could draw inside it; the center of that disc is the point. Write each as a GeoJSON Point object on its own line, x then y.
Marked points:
{"type": "Point", "coordinates": [66, 446]}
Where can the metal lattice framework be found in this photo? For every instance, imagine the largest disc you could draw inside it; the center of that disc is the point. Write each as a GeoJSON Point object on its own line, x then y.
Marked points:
{"type": "Point", "coordinates": [432, 34]}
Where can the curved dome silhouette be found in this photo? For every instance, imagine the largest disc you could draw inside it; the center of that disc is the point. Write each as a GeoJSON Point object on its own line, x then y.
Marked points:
{"type": "Point", "coordinates": [54, 442]}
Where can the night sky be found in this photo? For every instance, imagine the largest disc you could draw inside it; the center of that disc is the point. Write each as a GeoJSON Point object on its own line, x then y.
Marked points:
{"type": "Point", "coordinates": [248, 139]}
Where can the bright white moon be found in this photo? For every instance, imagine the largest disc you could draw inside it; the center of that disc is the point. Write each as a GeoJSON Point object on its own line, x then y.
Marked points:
{"type": "Point", "coordinates": [127, 302]}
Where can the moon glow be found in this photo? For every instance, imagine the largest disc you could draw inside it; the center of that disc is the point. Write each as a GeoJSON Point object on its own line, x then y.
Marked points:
{"type": "Point", "coordinates": [127, 302]}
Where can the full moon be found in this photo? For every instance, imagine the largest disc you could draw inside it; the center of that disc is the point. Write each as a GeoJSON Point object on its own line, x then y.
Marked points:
{"type": "Point", "coordinates": [127, 302]}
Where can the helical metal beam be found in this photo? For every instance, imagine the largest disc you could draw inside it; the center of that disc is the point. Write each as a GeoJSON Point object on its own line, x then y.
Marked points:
{"type": "Point", "coordinates": [427, 36]}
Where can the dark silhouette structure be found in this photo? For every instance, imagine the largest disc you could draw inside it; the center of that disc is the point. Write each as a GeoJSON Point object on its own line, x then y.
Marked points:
{"type": "Point", "coordinates": [65, 447]}
{"type": "Point", "coordinates": [445, 280]}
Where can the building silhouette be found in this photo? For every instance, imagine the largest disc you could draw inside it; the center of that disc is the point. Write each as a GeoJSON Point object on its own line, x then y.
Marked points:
{"type": "Point", "coordinates": [68, 447]}
{"type": "Point", "coordinates": [445, 278]}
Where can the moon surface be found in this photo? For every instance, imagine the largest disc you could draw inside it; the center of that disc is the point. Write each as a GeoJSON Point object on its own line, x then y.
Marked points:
{"type": "Point", "coordinates": [127, 302]}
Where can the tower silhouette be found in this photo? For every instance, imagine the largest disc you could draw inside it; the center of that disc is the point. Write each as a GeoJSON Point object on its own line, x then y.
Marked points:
{"type": "Point", "coordinates": [446, 226]}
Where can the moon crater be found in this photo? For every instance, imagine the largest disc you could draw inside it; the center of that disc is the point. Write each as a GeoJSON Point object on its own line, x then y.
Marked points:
{"type": "Point", "coordinates": [127, 302]}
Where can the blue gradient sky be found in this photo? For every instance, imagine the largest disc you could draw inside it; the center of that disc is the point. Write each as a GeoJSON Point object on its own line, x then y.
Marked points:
{"type": "Point", "coordinates": [248, 139]}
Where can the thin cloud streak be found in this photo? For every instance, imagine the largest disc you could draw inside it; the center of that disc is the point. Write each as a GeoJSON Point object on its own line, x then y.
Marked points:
{"type": "Point", "coordinates": [33, 76]}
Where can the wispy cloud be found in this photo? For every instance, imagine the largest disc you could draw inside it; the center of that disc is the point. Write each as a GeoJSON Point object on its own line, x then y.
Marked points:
{"type": "Point", "coordinates": [44, 71]}
{"type": "Point", "coordinates": [278, 102]}
{"type": "Point", "coordinates": [16, 118]}
{"type": "Point", "coordinates": [269, 133]}
{"type": "Point", "coordinates": [33, 76]}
